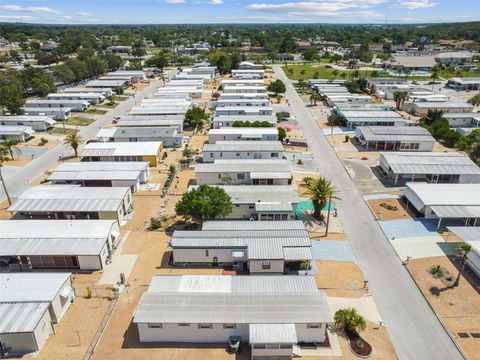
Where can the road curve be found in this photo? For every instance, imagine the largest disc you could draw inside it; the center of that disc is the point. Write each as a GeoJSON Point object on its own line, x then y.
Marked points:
{"type": "Point", "coordinates": [414, 330]}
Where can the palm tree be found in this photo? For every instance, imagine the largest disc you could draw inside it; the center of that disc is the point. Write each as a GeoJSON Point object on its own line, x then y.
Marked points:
{"type": "Point", "coordinates": [349, 320]}
{"type": "Point", "coordinates": [464, 249]}
{"type": "Point", "coordinates": [302, 83]}
{"type": "Point", "coordinates": [399, 97]}
{"type": "Point", "coordinates": [11, 146]}
{"type": "Point", "coordinates": [314, 98]}
{"type": "Point", "coordinates": [434, 75]}
{"type": "Point", "coordinates": [320, 191]}
{"type": "Point", "coordinates": [74, 140]}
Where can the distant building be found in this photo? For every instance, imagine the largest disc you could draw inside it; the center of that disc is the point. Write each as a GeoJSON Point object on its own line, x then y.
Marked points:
{"type": "Point", "coordinates": [242, 150]}
{"type": "Point", "coordinates": [167, 135]}
{"type": "Point", "coordinates": [37, 123]}
{"type": "Point", "coordinates": [464, 83]}
{"type": "Point", "coordinates": [399, 138]}
{"type": "Point", "coordinates": [17, 133]}
{"type": "Point", "coordinates": [242, 134]}
{"type": "Point", "coordinates": [122, 151]}
{"type": "Point", "coordinates": [454, 57]}
{"type": "Point", "coordinates": [471, 236]}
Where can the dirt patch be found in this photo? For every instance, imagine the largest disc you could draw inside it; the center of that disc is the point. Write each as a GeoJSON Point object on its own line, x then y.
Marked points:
{"type": "Point", "coordinates": [18, 161]}
{"type": "Point", "coordinates": [339, 144]}
{"type": "Point", "coordinates": [389, 209]}
{"type": "Point", "coordinates": [339, 275]}
{"type": "Point", "coordinates": [330, 236]}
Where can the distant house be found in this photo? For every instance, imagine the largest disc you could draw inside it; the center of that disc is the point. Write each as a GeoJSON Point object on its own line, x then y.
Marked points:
{"type": "Point", "coordinates": [17, 133]}
{"type": "Point", "coordinates": [286, 57]}
{"type": "Point", "coordinates": [119, 49]}
{"type": "Point", "coordinates": [108, 174]}
{"type": "Point", "coordinates": [464, 83]}
{"type": "Point", "coordinates": [168, 136]}
{"type": "Point", "coordinates": [73, 202]}
{"type": "Point", "coordinates": [73, 105]}
{"type": "Point", "coordinates": [412, 62]}
{"type": "Point", "coordinates": [228, 120]}
{"type": "Point", "coordinates": [432, 167]}
{"type": "Point", "coordinates": [247, 65]}
{"type": "Point", "coordinates": [242, 150]}
{"type": "Point", "coordinates": [37, 123]}
{"type": "Point", "coordinates": [454, 57]}
{"type": "Point", "coordinates": [244, 110]}
{"type": "Point", "coordinates": [260, 252]}
{"type": "Point", "coordinates": [271, 313]}
{"type": "Point", "coordinates": [108, 84]}
{"type": "Point", "coordinates": [48, 47]}
{"type": "Point", "coordinates": [245, 74]}
{"type": "Point", "coordinates": [247, 172]}
{"type": "Point", "coordinates": [56, 113]}
{"type": "Point", "coordinates": [374, 82]}
{"type": "Point", "coordinates": [29, 304]}
{"type": "Point", "coordinates": [58, 244]}
{"type": "Point", "coordinates": [399, 138]}
{"type": "Point", "coordinates": [356, 118]}
{"type": "Point", "coordinates": [459, 202]}
{"type": "Point", "coordinates": [92, 97]}
{"type": "Point", "coordinates": [421, 108]}
{"type": "Point", "coordinates": [122, 151]}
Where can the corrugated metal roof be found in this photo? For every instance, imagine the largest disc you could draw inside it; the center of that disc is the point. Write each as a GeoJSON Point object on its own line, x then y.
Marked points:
{"type": "Point", "coordinates": [232, 118]}
{"type": "Point", "coordinates": [15, 130]}
{"type": "Point", "coordinates": [395, 133]}
{"type": "Point", "coordinates": [265, 250]}
{"type": "Point", "coordinates": [370, 114]}
{"type": "Point", "coordinates": [272, 334]}
{"type": "Point", "coordinates": [247, 233]}
{"type": "Point", "coordinates": [270, 175]}
{"type": "Point", "coordinates": [147, 132]}
{"type": "Point", "coordinates": [469, 235]}
{"type": "Point", "coordinates": [297, 253]}
{"type": "Point", "coordinates": [272, 206]}
{"type": "Point", "coordinates": [250, 146]}
{"type": "Point", "coordinates": [103, 166]}
{"type": "Point", "coordinates": [20, 317]}
{"type": "Point", "coordinates": [456, 211]}
{"type": "Point", "coordinates": [69, 198]}
{"type": "Point", "coordinates": [42, 286]}
{"type": "Point", "coordinates": [51, 246]}
{"type": "Point", "coordinates": [276, 308]}
{"type": "Point", "coordinates": [142, 148]}
{"type": "Point", "coordinates": [451, 194]}
{"type": "Point", "coordinates": [253, 225]}
{"type": "Point", "coordinates": [94, 175]}
{"type": "Point", "coordinates": [256, 165]}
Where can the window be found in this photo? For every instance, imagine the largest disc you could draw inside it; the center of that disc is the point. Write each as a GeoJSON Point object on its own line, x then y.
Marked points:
{"type": "Point", "coordinates": [266, 266]}
{"type": "Point", "coordinates": [204, 326]}
{"type": "Point", "coordinates": [274, 155]}
{"type": "Point", "coordinates": [183, 324]}
{"type": "Point", "coordinates": [206, 253]}
{"type": "Point", "coordinates": [240, 176]}
{"type": "Point", "coordinates": [155, 325]}
{"type": "Point", "coordinates": [251, 206]}
{"type": "Point", "coordinates": [313, 326]}
{"type": "Point", "coordinates": [229, 326]}
{"type": "Point", "coordinates": [237, 154]}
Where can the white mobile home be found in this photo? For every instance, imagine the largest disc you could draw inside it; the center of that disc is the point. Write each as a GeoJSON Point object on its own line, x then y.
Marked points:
{"type": "Point", "coordinates": [242, 150]}
{"type": "Point", "coordinates": [228, 120]}
{"type": "Point", "coordinates": [459, 202]}
{"type": "Point", "coordinates": [107, 174]}
{"type": "Point", "coordinates": [242, 134]}
{"type": "Point", "coordinates": [73, 105]}
{"type": "Point", "coordinates": [144, 110]}
{"type": "Point", "coordinates": [399, 138]}
{"type": "Point", "coordinates": [350, 99]}
{"type": "Point", "coordinates": [73, 202]}
{"type": "Point", "coordinates": [167, 135]}
{"type": "Point", "coordinates": [103, 91]}
{"type": "Point", "coordinates": [464, 83]}
{"type": "Point", "coordinates": [247, 65]}
{"type": "Point", "coordinates": [246, 172]}
{"type": "Point", "coordinates": [246, 82]}
{"type": "Point", "coordinates": [37, 123]}
{"type": "Point", "coordinates": [58, 244]}
{"type": "Point", "coordinates": [221, 103]}
{"type": "Point", "coordinates": [432, 167]}
{"type": "Point", "coordinates": [244, 89]}
{"type": "Point", "coordinates": [243, 110]}
{"type": "Point", "coordinates": [269, 251]}
{"type": "Point", "coordinates": [179, 91]}
{"type": "Point", "coordinates": [174, 121]}
{"type": "Point", "coordinates": [17, 133]}
{"type": "Point", "coordinates": [29, 304]}
{"type": "Point", "coordinates": [459, 120]}
{"type": "Point", "coordinates": [262, 202]}
{"type": "Point", "coordinates": [213, 309]}
{"type": "Point", "coordinates": [471, 236]}
{"type": "Point", "coordinates": [420, 108]}
{"type": "Point", "coordinates": [107, 84]}
{"type": "Point", "coordinates": [242, 96]}
{"type": "Point", "coordinates": [92, 98]}
{"type": "Point", "coordinates": [355, 118]}
{"type": "Point", "coordinates": [60, 114]}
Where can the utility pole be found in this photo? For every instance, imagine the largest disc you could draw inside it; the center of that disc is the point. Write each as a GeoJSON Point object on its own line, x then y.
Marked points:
{"type": "Point", "coordinates": [328, 213]}
{"type": "Point", "coordinates": [5, 187]}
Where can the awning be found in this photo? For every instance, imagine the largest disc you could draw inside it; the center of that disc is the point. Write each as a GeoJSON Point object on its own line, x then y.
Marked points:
{"type": "Point", "coordinates": [272, 334]}
{"type": "Point", "coordinates": [238, 254]}
{"type": "Point", "coordinates": [297, 253]}
{"type": "Point", "coordinates": [66, 291]}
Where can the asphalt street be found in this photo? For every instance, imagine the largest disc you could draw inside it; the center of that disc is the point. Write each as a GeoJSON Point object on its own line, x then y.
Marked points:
{"type": "Point", "coordinates": [414, 330]}
{"type": "Point", "coordinates": [16, 181]}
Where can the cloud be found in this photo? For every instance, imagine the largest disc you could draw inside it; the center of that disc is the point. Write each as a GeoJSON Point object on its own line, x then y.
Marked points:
{"type": "Point", "coordinates": [84, 14]}
{"type": "Point", "coordinates": [321, 8]}
{"type": "Point", "coordinates": [175, 1]}
{"type": "Point", "coordinates": [30, 9]}
{"type": "Point", "coordinates": [17, 17]}
{"type": "Point", "coordinates": [66, 17]}
{"type": "Point", "coordinates": [215, 2]}
{"type": "Point", "coordinates": [415, 4]}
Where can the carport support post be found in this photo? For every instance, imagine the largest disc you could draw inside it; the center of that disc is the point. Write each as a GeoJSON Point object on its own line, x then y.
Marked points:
{"type": "Point", "coordinates": [328, 213]}
{"type": "Point", "coordinates": [5, 187]}
{"type": "Point", "coordinates": [439, 222]}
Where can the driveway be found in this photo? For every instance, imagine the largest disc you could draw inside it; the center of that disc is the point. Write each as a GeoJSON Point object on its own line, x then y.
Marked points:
{"type": "Point", "coordinates": [413, 328]}
{"type": "Point", "coordinates": [417, 247]}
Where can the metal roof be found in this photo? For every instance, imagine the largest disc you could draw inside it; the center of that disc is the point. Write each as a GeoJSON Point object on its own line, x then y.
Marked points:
{"type": "Point", "coordinates": [374, 119]}
{"type": "Point", "coordinates": [21, 317]}
{"type": "Point", "coordinates": [456, 211]}
{"type": "Point", "coordinates": [243, 131]}
{"type": "Point", "coordinates": [247, 165]}
{"type": "Point", "coordinates": [41, 286]}
{"type": "Point", "coordinates": [51, 246]}
{"type": "Point", "coordinates": [15, 130]}
{"type": "Point", "coordinates": [273, 206]}
{"type": "Point", "coordinates": [265, 250]}
{"type": "Point", "coordinates": [297, 253]}
{"type": "Point", "coordinates": [468, 234]}
{"type": "Point", "coordinates": [253, 225]}
{"type": "Point", "coordinates": [441, 104]}
{"type": "Point", "coordinates": [370, 113]}
{"type": "Point", "coordinates": [430, 163]}
{"type": "Point", "coordinates": [272, 334]}
{"type": "Point", "coordinates": [103, 166]}
{"type": "Point", "coordinates": [94, 175]}
{"type": "Point", "coordinates": [251, 233]}
{"type": "Point", "coordinates": [28, 118]}
{"type": "Point", "coordinates": [142, 148]}
{"type": "Point", "coordinates": [105, 83]}
{"type": "Point", "coordinates": [147, 132]}
{"type": "Point", "coordinates": [150, 122]}
{"type": "Point", "coordinates": [251, 118]}
{"type": "Point", "coordinates": [54, 198]}
{"type": "Point", "coordinates": [250, 146]}
{"type": "Point", "coordinates": [239, 308]}
{"type": "Point", "coordinates": [53, 229]}
{"type": "Point", "coordinates": [451, 194]}
{"type": "Point", "coordinates": [395, 133]}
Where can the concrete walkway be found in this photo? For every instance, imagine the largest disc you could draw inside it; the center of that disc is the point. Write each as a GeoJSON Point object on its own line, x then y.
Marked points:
{"type": "Point", "coordinates": [423, 246]}
{"type": "Point", "coordinates": [414, 329]}
{"type": "Point", "coordinates": [365, 305]}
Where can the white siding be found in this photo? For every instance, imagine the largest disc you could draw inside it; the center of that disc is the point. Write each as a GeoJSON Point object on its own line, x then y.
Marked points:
{"type": "Point", "coordinates": [276, 266]}
{"type": "Point", "coordinates": [43, 330]}
{"type": "Point", "coordinates": [199, 255]}
{"type": "Point", "coordinates": [90, 262]}
{"type": "Point", "coordinates": [59, 305]}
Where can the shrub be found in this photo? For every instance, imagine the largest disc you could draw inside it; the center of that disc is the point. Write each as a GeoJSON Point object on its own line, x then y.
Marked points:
{"type": "Point", "coordinates": [347, 138]}
{"type": "Point", "coordinates": [299, 161]}
{"type": "Point", "coordinates": [172, 169]}
{"type": "Point", "coordinates": [89, 292]}
{"type": "Point", "coordinates": [43, 140]}
{"type": "Point", "coordinates": [155, 223]}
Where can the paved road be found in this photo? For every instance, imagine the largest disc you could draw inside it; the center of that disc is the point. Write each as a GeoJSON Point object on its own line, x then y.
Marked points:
{"type": "Point", "coordinates": [18, 180]}
{"type": "Point", "coordinates": [413, 328]}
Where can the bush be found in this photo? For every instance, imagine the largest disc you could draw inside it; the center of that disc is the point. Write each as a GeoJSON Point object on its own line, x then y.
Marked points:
{"type": "Point", "coordinates": [347, 138]}
{"type": "Point", "coordinates": [155, 224]}
{"type": "Point", "coordinates": [172, 169]}
{"type": "Point", "coordinates": [43, 140]}
{"type": "Point", "coordinates": [89, 292]}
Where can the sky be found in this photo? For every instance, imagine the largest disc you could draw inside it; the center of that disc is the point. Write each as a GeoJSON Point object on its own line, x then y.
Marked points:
{"type": "Point", "coordinates": [237, 11]}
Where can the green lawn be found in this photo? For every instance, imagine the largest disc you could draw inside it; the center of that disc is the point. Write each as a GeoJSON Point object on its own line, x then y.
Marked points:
{"type": "Point", "coordinates": [107, 105]}
{"type": "Point", "coordinates": [447, 75]}
{"type": "Point", "coordinates": [95, 111]}
{"type": "Point", "coordinates": [79, 121]}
